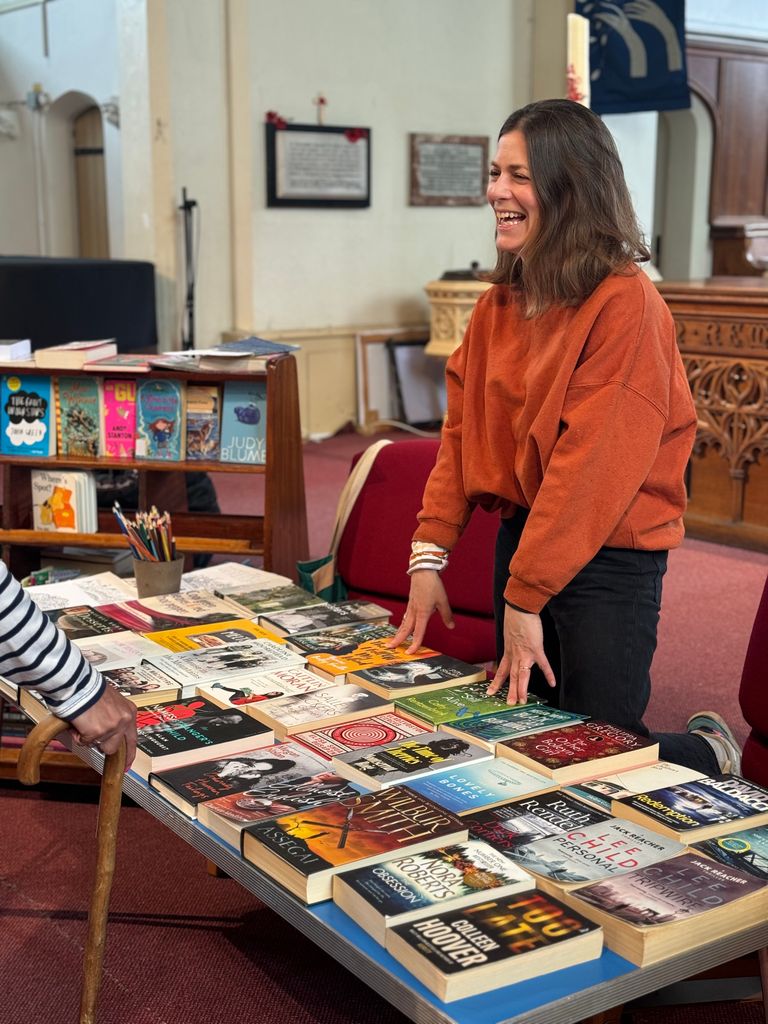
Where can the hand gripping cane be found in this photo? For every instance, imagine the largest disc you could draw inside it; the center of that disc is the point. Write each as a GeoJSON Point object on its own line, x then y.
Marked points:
{"type": "Point", "coordinates": [28, 772]}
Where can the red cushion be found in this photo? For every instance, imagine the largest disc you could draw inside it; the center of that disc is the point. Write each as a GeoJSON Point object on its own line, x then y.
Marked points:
{"type": "Point", "coordinates": [753, 691]}
{"type": "Point", "coordinates": [754, 759]}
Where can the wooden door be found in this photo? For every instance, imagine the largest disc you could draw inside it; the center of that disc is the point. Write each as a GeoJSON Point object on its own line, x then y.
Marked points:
{"type": "Point", "coordinates": [91, 185]}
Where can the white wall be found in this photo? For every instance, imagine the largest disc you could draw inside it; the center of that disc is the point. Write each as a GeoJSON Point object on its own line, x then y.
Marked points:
{"type": "Point", "coordinates": [396, 67]}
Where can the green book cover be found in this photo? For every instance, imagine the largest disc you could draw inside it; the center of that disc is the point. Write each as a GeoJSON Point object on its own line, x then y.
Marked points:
{"type": "Point", "coordinates": [458, 704]}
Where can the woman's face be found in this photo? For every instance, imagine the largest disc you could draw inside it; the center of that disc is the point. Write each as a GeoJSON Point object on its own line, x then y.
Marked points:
{"type": "Point", "coordinates": [512, 195]}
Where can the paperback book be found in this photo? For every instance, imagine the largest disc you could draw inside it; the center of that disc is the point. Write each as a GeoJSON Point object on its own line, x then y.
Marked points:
{"type": "Point", "coordinates": [457, 705]}
{"type": "Point", "coordinates": [481, 784]}
{"type": "Point", "coordinates": [601, 791]}
{"type": "Point", "coordinates": [372, 731]}
{"type": "Point", "coordinates": [582, 751]}
{"type": "Point", "coordinates": [460, 953]}
{"type": "Point", "coordinates": [425, 675]}
{"type": "Point", "coordinates": [324, 707]}
{"type": "Point", "coordinates": [117, 650]}
{"type": "Point", "coordinates": [183, 731]}
{"type": "Point", "coordinates": [691, 811]}
{"type": "Point", "coordinates": [371, 651]}
{"type": "Point", "coordinates": [172, 611]}
{"type": "Point", "coordinates": [665, 909]}
{"type": "Point", "coordinates": [265, 599]}
{"type": "Point", "coordinates": [244, 421]}
{"type": "Point", "coordinates": [323, 616]}
{"type": "Point", "coordinates": [78, 416]}
{"type": "Point", "coordinates": [118, 412]}
{"type": "Point", "coordinates": [406, 760]}
{"type": "Point", "coordinates": [507, 725]}
{"type": "Point", "coordinates": [519, 823]}
{"type": "Point", "coordinates": [214, 636]}
{"type": "Point", "coordinates": [746, 849]}
{"type": "Point", "coordinates": [82, 621]}
{"type": "Point", "coordinates": [72, 355]}
{"type": "Point", "coordinates": [143, 684]}
{"type": "Point", "coordinates": [86, 590]}
{"type": "Point", "coordinates": [303, 851]}
{"type": "Point", "coordinates": [160, 419]}
{"type": "Point", "coordinates": [342, 640]}
{"type": "Point", "coordinates": [203, 423]}
{"type": "Point", "coordinates": [230, 577]}
{"type": "Point", "coordinates": [398, 891]}
{"type": "Point", "coordinates": [244, 691]}
{"type": "Point", "coordinates": [27, 415]}
{"type": "Point", "coordinates": [220, 664]}
{"type": "Point", "coordinates": [193, 784]}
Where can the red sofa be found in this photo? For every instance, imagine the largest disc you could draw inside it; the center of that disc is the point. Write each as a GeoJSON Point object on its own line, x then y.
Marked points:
{"type": "Point", "coordinates": [373, 553]}
{"type": "Point", "coordinates": [753, 697]}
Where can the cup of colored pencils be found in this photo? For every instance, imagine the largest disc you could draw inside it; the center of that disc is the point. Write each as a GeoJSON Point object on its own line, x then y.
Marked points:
{"type": "Point", "coordinates": [156, 567]}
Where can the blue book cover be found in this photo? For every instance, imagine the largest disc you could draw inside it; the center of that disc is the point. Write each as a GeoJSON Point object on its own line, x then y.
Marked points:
{"type": "Point", "coordinates": [483, 784]}
{"type": "Point", "coordinates": [244, 421]}
{"type": "Point", "coordinates": [160, 420]}
{"type": "Point", "coordinates": [27, 415]}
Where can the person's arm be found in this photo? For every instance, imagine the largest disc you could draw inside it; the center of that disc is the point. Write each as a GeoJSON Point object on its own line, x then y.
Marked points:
{"type": "Point", "coordinates": [34, 653]}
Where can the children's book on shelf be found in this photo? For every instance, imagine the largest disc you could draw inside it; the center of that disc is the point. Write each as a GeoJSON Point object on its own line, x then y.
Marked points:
{"type": "Point", "coordinates": [27, 415]}
{"type": "Point", "coordinates": [303, 851]}
{"type": "Point", "coordinates": [180, 732]}
{"type": "Point", "coordinates": [118, 417]}
{"type": "Point", "coordinates": [78, 416]}
{"type": "Point", "coordinates": [406, 760]}
{"type": "Point", "coordinates": [214, 635]}
{"type": "Point", "coordinates": [203, 423]}
{"type": "Point", "coordinates": [230, 577]}
{"type": "Point", "coordinates": [661, 910]}
{"type": "Point", "coordinates": [456, 705]}
{"type": "Point", "coordinates": [229, 816]}
{"type": "Point", "coordinates": [700, 809]}
{"type": "Point", "coordinates": [425, 675]}
{"type": "Point", "coordinates": [160, 418]}
{"type": "Point", "coordinates": [192, 785]}
{"type": "Point", "coordinates": [64, 500]}
{"type": "Point", "coordinates": [518, 721]}
{"type": "Point", "coordinates": [143, 684]}
{"type": "Point", "coordinates": [73, 355]}
{"type": "Point", "coordinates": [323, 616]}
{"type": "Point", "coordinates": [746, 849]}
{"type": "Point", "coordinates": [12, 349]}
{"type": "Point", "coordinates": [581, 751]}
{"type": "Point", "coordinates": [481, 784]}
{"type": "Point", "coordinates": [461, 953]}
{"type": "Point", "coordinates": [120, 362]}
{"type": "Point", "coordinates": [592, 854]}
{"type": "Point", "coordinates": [601, 791]}
{"type": "Point", "coordinates": [244, 421]}
{"type": "Point", "coordinates": [221, 664]}
{"type": "Point", "coordinates": [384, 895]}
{"type": "Point", "coordinates": [264, 598]}
{"type": "Point", "coordinates": [173, 611]}
{"type": "Point", "coordinates": [117, 650]}
{"type": "Point", "coordinates": [81, 621]}
{"type": "Point", "coordinates": [372, 731]}
{"type": "Point", "coordinates": [318, 709]}
{"type": "Point", "coordinates": [520, 822]}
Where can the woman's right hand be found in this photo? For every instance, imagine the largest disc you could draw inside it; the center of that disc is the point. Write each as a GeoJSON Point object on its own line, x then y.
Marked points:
{"type": "Point", "coordinates": [427, 595]}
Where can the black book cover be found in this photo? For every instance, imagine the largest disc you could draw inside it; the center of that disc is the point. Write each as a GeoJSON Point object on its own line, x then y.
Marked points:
{"type": "Point", "coordinates": [191, 724]}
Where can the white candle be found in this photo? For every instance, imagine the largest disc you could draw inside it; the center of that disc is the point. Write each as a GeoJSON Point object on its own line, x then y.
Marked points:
{"type": "Point", "coordinates": [577, 72]}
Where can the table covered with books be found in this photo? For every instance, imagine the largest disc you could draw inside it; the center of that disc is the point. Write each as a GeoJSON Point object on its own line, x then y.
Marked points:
{"type": "Point", "coordinates": [472, 862]}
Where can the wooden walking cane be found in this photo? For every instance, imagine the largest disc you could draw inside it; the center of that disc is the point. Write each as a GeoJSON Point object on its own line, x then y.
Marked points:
{"type": "Point", "coordinates": [28, 772]}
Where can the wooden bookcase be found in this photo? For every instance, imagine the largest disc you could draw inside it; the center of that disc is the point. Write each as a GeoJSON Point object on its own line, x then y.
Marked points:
{"type": "Point", "coordinates": [278, 533]}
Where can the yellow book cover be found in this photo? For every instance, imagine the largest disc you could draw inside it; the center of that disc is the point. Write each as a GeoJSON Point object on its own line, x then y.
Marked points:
{"type": "Point", "coordinates": [369, 654]}
{"type": "Point", "coordinates": [215, 634]}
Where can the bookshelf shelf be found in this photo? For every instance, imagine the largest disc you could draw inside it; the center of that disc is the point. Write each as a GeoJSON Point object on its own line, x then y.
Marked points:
{"type": "Point", "coordinates": [278, 533]}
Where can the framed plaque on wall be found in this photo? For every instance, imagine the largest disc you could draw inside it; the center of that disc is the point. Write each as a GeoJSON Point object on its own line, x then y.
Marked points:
{"type": "Point", "coordinates": [448, 170]}
{"type": "Point", "coordinates": [318, 165]}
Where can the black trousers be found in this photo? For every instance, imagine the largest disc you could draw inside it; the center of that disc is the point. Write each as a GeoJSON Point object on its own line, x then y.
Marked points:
{"type": "Point", "coordinates": [600, 638]}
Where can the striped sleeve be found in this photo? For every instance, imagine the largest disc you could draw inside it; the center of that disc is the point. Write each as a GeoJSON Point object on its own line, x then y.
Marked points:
{"type": "Point", "coordinates": [34, 652]}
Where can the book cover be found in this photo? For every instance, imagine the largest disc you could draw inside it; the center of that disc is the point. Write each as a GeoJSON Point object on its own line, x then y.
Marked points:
{"type": "Point", "coordinates": [120, 362]}
{"type": "Point", "coordinates": [78, 416]}
{"type": "Point", "coordinates": [482, 784]}
{"type": "Point", "coordinates": [601, 791]}
{"type": "Point", "coordinates": [580, 751]}
{"type": "Point", "coordinates": [142, 684]}
{"type": "Point", "coordinates": [518, 721]}
{"type": "Point", "coordinates": [27, 415]}
{"type": "Point", "coordinates": [228, 578]}
{"type": "Point", "coordinates": [534, 817]}
{"type": "Point", "coordinates": [191, 785]}
{"type": "Point", "coordinates": [203, 424]}
{"type": "Point", "coordinates": [72, 355]}
{"type": "Point", "coordinates": [594, 852]}
{"type": "Point", "coordinates": [245, 690]}
{"type": "Point", "coordinates": [91, 590]}
{"type": "Point", "coordinates": [117, 650]}
{"type": "Point", "coordinates": [12, 349]}
{"type": "Point", "coordinates": [80, 621]}
{"type": "Point", "coordinates": [322, 616]}
{"type": "Point", "coordinates": [179, 732]}
{"type": "Point", "coordinates": [330, 704]}
{"type": "Point", "coordinates": [405, 889]}
{"type": "Point", "coordinates": [457, 705]}
{"type": "Point", "coordinates": [244, 421]}
{"type": "Point", "coordinates": [59, 499]}
{"type": "Point", "coordinates": [160, 419]}
{"type": "Point", "coordinates": [662, 909]}
{"type": "Point", "coordinates": [349, 657]}
{"type": "Point", "coordinates": [172, 611]}
{"type": "Point", "coordinates": [406, 760]}
{"type": "Point", "coordinates": [267, 599]}
{"type": "Point", "coordinates": [302, 851]}
{"type": "Point", "coordinates": [372, 731]}
{"type": "Point", "coordinates": [207, 665]}
{"type": "Point", "coordinates": [343, 639]}
{"type": "Point", "coordinates": [210, 636]}
{"type": "Point", "coordinates": [119, 417]}
{"type": "Point", "coordinates": [699, 809]}
{"type": "Point", "coordinates": [421, 676]}
{"type": "Point", "coordinates": [746, 850]}
{"type": "Point", "coordinates": [460, 953]}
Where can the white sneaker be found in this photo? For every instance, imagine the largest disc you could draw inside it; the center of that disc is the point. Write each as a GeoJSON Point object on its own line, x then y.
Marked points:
{"type": "Point", "coordinates": [716, 731]}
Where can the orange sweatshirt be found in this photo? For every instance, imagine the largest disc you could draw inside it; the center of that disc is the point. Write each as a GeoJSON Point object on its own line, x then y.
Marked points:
{"type": "Point", "coordinates": [582, 415]}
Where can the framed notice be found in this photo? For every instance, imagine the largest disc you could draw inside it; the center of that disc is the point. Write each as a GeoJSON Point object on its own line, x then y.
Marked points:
{"type": "Point", "coordinates": [318, 165]}
{"type": "Point", "coordinates": [448, 170]}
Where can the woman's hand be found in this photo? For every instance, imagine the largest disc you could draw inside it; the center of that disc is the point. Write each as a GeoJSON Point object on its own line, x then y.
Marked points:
{"type": "Point", "coordinates": [523, 648]}
{"type": "Point", "coordinates": [427, 594]}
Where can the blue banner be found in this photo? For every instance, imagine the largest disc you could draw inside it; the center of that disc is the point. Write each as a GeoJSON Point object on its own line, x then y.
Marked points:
{"type": "Point", "coordinates": [636, 55]}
